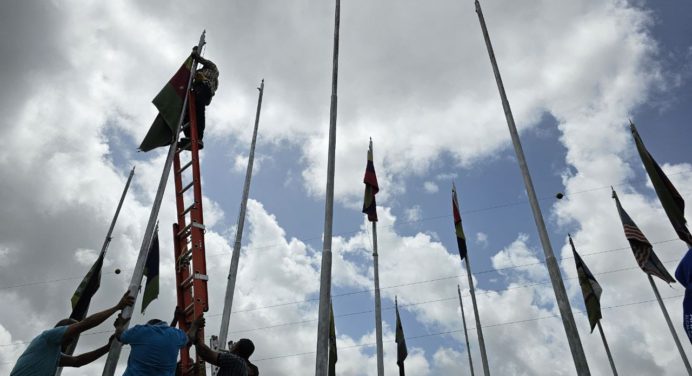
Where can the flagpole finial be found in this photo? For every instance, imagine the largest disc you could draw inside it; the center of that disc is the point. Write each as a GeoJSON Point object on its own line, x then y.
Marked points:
{"type": "Point", "coordinates": [614, 195]}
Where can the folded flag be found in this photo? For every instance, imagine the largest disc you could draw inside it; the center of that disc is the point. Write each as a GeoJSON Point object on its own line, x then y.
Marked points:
{"type": "Point", "coordinates": [642, 248]}
{"type": "Point", "coordinates": [401, 350]}
{"type": "Point", "coordinates": [458, 228]}
{"type": "Point", "coordinates": [589, 288]}
{"type": "Point", "coordinates": [151, 271]}
{"type": "Point", "coordinates": [371, 188]}
{"type": "Point", "coordinates": [671, 200]}
{"type": "Point", "coordinates": [86, 290]}
{"type": "Point", "coordinates": [169, 102]}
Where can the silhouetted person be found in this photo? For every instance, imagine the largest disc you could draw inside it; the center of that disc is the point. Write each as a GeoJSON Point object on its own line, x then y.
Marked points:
{"type": "Point", "coordinates": [44, 354]}
{"type": "Point", "coordinates": [229, 363]}
{"type": "Point", "coordinates": [203, 88]}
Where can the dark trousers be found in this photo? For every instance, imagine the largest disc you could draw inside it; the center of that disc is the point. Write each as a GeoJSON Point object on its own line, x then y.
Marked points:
{"type": "Point", "coordinates": [202, 97]}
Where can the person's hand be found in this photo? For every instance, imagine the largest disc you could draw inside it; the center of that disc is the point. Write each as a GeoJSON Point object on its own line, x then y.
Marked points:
{"type": "Point", "coordinates": [125, 301]}
{"type": "Point", "coordinates": [120, 321]}
{"type": "Point", "coordinates": [200, 322]}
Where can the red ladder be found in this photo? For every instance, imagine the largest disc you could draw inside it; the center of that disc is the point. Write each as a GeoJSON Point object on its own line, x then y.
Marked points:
{"type": "Point", "coordinates": [188, 238]}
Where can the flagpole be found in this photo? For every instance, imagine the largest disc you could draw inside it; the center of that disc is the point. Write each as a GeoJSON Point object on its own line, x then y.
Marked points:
{"type": "Point", "coordinates": [138, 273]}
{"type": "Point", "coordinates": [230, 286]}
{"type": "Point", "coordinates": [607, 349]}
{"type": "Point", "coordinates": [571, 331]}
{"type": "Point", "coordinates": [670, 325]}
{"type": "Point", "coordinates": [73, 345]}
{"type": "Point", "coordinates": [479, 329]}
{"type": "Point", "coordinates": [378, 304]}
{"type": "Point", "coordinates": [322, 357]}
{"type": "Point", "coordinates": [466, 334]}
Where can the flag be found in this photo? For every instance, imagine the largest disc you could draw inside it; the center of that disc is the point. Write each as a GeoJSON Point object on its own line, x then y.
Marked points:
{"type": "Point", "coordinates": [683, 274]}
{"type": "Point", "coordinates": [671, 200]}
{"type": "Point", "coordinates": [86, 290]}
{"type": "Point", "coordinates": [169, 102]}
{"type": "Point", "coordinates": [332, 342]}
{"type": "Point", "coordinates": [151, 271]}
{"type": "Point", "coordinates": [589, 288]}
{"type": "Point", "coordinates": [642, 248]}
{"type": "Point", "coordinates": [401, 351]}
{"type": "Point", "coordinates": [461, 238]}
{"type": "Point", "coordinates": [371, 188]}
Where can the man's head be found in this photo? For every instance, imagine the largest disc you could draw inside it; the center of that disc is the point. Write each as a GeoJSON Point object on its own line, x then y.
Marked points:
{"type": "Point", "coordinates": [154, 322]}
{"type": "Point", "coordinates": [243, 348]}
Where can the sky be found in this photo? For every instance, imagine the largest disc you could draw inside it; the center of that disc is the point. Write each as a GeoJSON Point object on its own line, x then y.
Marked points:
{"type": "Point", "coordinates": [413, 76]}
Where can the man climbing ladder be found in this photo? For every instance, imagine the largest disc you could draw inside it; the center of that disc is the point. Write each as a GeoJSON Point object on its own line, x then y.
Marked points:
{"type": "Point", "coordinates": [204, 87]}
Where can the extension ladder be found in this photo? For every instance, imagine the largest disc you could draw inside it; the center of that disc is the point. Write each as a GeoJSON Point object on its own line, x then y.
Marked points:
{"type": "Point", "coordinates": [188, 238]}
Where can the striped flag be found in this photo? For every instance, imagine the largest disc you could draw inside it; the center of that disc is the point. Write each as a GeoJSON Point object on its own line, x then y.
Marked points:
{"type": "Point", "coordinates": [151, 271]}
{"type": "Point", "coordinates": [671, 200]}
{"type": "Point", "coordinates": [332, 342]}
{"type": "Point", "coordinates": [86, 290]}
{"type": "Point", "coordinates": [371, 188]}
{"type": "Point", "coordinates": [642, 248]}
{"type": "Point", "coordinates": [589, 288]}
{"type": "Point", "coordinates": [401, 350]}
{"type": "Point", "coordinates": [461, 238]}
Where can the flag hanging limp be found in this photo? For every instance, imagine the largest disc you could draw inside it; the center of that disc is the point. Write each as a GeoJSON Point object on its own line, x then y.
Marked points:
{"type": "Point", "coordinates": [590, 288]}
{"type": "Point", "coordinates": [671, 200]}
{"type": "Point", "coordinates": [151, 271]}
{"type": "Point", "coordinates": [332, 342]}
{"type": "Point", "coordinates": [169, 102]}
{"type": "Point", "coordinates": [371, 188]}
{"type": "Point", "coordinates": [401, 350]}
{"type": "Point", "coordinates": [683, 274]}
{"type": "Point", "coordinates": [458, 228]}
{"type": "Point", "coordinates": [642, 248]}
{"type": "Point", "coordinates": [86, 290]}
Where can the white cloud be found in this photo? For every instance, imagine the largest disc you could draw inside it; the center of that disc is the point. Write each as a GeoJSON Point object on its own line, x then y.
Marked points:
{"type": "Point", "coordinates": [482, 239]}
{"type": "Point", "coordinates": [413, 214]}
{"type": "Point", "coordinates": [430, 187]}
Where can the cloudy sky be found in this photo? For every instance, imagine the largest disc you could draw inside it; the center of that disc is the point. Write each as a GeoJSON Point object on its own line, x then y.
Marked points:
{"type": "Point", "coordinates": [79, 78]}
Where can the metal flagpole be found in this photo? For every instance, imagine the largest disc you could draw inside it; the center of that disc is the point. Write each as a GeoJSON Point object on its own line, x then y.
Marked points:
{"type": "Point", "coordinates": [479, 329]}
{"type": "Point", "coordinates": [138, 273]}
{"type": "Point", "coordinates": [104, 247]}
{"type": "Point", "coordinates": [571, 331]}
{"type": "Point", "coordinates": [378, 304]}
{"type": "Point", "coordinates": [466, 334]}
{"type": "Point", "coordinates": [605, 343]}
{"type": "Point", "coordinates": [322, 356]}
{"type": "Point", "coordinates": [233, 272]}
{"type": "Point", "coordinates": [670, 325]}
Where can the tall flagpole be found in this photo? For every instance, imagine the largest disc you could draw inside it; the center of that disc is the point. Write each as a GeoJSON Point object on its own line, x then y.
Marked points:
{"type": "Point", "coordinates": [670, 325]}
{"type": "Point", "coordinates": [607, 348]}
{"type": "Point", "coordinates": [378, 304]}
{"type": "Point", "coordinates": [138, 273]}
{"type": "Point", "coordinates": [104, 247]}
{"type": "Point", "coordinates": [466, 334]}
{"type": "Point", "coordinates": [233, 272]}
{"type": "Point", "coordinates": [472, 291]}
{"type": "Point", "coordinates": [322, 356]}
{"type": "Point", "coordinates": [571, 331]}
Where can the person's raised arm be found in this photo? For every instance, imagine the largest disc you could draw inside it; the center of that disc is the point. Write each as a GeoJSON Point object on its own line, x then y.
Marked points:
{"type": "Point", "coordinates": [204, 352]}
{"type": "Point", "coordinates": [86, 358]}
{"type": "Point", "coordinates": [206, 63]}
{"type": "Point", "coordinates": [97, 318]}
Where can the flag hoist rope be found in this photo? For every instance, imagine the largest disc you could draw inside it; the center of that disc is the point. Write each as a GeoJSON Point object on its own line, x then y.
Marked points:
{"type": "Point", "coordinates": [322, 353]}
{"type": "Point", "coordinates": [571, 331]}
{"type": "Point", "coordinates": [138, 273]}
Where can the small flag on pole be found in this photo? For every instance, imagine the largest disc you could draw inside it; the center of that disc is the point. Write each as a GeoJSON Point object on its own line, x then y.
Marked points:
{"type": "Point", "coordinates": [169, 102]}
{"type": "Point", "coordinates": [671, 200]}
{"type": "Point", "coordinates": [642, 248]}
{"type": "Point", "coordinates": [151, 271]}
{"type": "Point", "coordinates": [401, 350]}
{"type": "Point", "coordinates": [332, 342]}
{"type": "Point", "coordinates": [589, 288]}
{"type": "Point", "coordinates": [86, 290]}
{"type": "Point", "coordinates": [683, 274]}
{"type": "Point", "coordinates": [371, 188]}
{"type": "Point", "coordinates": [461, 238]}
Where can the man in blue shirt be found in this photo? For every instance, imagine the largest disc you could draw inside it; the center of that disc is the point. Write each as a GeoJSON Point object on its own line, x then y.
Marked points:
{"type": "Point", "coordinates": [44, 354]}
{"type": "Point", "coordinates": [155, 347]}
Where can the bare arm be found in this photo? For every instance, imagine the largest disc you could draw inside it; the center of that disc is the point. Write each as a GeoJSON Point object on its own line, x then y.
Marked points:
{"type": "Point", "coordinates": [86, 358]}
{"type": "Point", "coordinates": [96, 319]}
{"type": "Point", "coordinates": [206, 353]}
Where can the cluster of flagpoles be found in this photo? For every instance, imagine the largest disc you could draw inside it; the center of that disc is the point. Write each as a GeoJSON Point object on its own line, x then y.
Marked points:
{"type": "Point", "coordinates": [326, 354]}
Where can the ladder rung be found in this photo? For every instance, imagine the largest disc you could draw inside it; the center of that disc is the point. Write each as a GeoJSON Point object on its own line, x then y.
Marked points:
{"type": "Point", "coordinates": [188, 281]}
{"type": "Point", "coordinates": [184, 230]}
{"type": "Point", "coordinates": [188, 209]}
{"type": "Point", "coordinates": [189, 309]}
{"type": "Point", "coordinates": [188, 164]}
{"type": "Point", "coordinates": [186, 187]}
